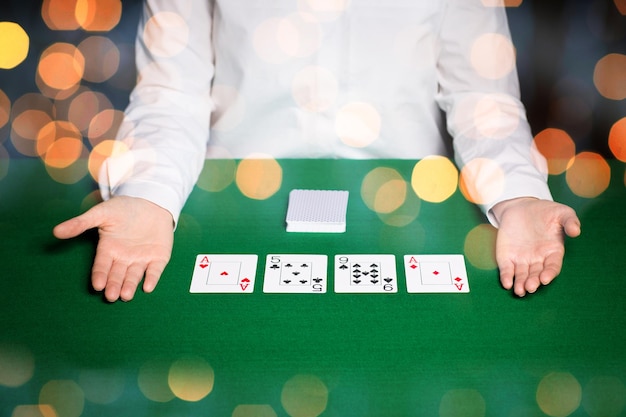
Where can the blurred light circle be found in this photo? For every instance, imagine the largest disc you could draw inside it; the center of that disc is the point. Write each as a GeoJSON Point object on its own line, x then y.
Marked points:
{"type": "Point", "coordinates": [63, 152]}
{"type": "Point", "coordinates": [482, 181]}
{"type": "Point", "coordinates": [60, 14]}
{"type": "Point", "coordinates": [17, 364]}
{"type": "Point", "coordinates": [617, 139]}
{"type": "Point", "coordinates": [217, 174]}
{"type": "Point", "coordinates": [462, 403]}
{"type": "Point", "coordinates": [557, 147]}
{"type": "Point", "coordinates": [299, 35]}
{"type": "Point", "coordinates": [604, 396]}
{"type": "Point", "coordinates": [609, 76]}
{"type": "Point", "coordinates": [493, 56]}
{"type": "Point", "coordinates": [177, 31]}
{"type": "Point", "coordinates": [98, 15]}
{"type": "Point", "coordinates": [230, 107]}
{"type": "Point", "coordinates": [54, 131]}
{"type": "Point", "coordinates": [85, 106]}
{"type": "Point", "coordinates": [102, 151]}
{"type": "Point", "coordinates": [104, 125]}
{"type": "Point", "coordinates": [153, 381]}
{"type": "Point", "coordinates": [589, 175]}
{"type": "Point", "coordinates": [14, 45]}
{"type": "Point", "coordinates": [64, 396]}
{"type": "Point", "coordinates": [102, 58]}
{"type": "Point", "coordinates": [383, 190]}
{"type": "Point", "coordinates": [25, 129]}
{"type": "Point", "coordinates": [358, 124]}
{"type": "Point", "coordinates": [102, 386]}
{"type": "Point", "coordinates": [559, 394]}
{"type": "Point", "coordinates": [5, 108]}
{"type": "Point", "coordinates": [61, 66]}
{"type": "Point", "coordinates": [434, 178]}
{"type": "Point", "coordinates": [191, 378]}
{"type": "Point", "coordinates": [259, 176]}
{"type": "Point", "coordinates": [479, 247]}
{"type": "Point", "coordinates": [304, 396]}
{"type": "Point", "coordinates": [39, 410]}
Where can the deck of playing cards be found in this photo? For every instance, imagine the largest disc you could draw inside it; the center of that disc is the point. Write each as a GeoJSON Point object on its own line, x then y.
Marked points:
{"type": "Point", "coordinates": [322, 211]}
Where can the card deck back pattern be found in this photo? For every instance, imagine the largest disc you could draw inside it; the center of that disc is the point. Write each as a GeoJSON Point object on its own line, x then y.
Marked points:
{"type": "Point", "coordinates": [322, 211]}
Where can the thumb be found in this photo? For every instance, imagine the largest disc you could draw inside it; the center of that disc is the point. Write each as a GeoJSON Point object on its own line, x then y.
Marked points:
{"type": "Point", "coordinates": [79, 224]}
{"type": "Point", "coordinates": [571, 225]}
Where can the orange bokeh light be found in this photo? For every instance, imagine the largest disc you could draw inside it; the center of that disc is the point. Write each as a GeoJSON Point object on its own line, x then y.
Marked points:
{"type": "Point", "coordinates": [589, 176]}
{"type": "Point", "coordinates": [25, 128]}
{"type": "Point", "coordinates": [59, 14]}
{"type": "Point", "coordinates": [102, 58]}
{"type": "Point", "coordinates": [85, 106]}
{"type": "Point", "coordinates": [53, 131]}
{"type": "Point", "coordinates": [63, 152]}
{"type": "Point", "coordinates": [609, 76]}
{"type": "Point", "coordinates": [5, 108]}
{"type": "Point", "coordinates": [557, 147]}
{"type": "Point", "coordinates": [61, 66]}
{"type": "Point", "coordinates": [104, 125]}
{"type": "Point", "coordinates": [98, 15]}
{"type": "Point", "coordinates": [621, 6]}
{"type": "Point", "coordinates": [617, 139]}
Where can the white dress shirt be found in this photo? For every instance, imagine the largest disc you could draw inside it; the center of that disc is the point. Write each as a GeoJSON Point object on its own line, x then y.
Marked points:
{"type": "Point", "coordinates": [359, 79]}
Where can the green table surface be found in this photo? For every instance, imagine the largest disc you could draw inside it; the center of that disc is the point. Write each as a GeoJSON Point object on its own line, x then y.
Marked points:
{"type": "Point", "coordinates": [560, 351]}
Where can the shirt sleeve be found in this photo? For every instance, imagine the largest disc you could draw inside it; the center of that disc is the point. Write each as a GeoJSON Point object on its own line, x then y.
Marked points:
{"type": "Point", "coordinates": [479, 92]}
{"type": "Point", "coordinates": [161, 144]}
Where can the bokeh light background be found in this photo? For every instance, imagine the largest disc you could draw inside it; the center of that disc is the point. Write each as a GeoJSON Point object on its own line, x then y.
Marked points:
{"type": "Point", "coordinates": [66, 70]}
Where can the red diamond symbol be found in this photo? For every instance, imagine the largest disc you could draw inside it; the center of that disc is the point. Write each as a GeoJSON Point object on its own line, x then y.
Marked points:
{"type": "Point", "coordinates": [457, 279]}
{"type": "Point", "coordinates": [435, 272]}
{"type": "Point", "coordinates": [413, 266]}
{"type": "Point", "coordinates": [203, 265]}
{"type": "Point", "coordinates": [224, 273]}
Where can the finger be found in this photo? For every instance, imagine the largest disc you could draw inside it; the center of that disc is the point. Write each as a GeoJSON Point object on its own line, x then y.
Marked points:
{"type": "Point", "coordinates": [571, 226]}
{"type": "Point", "coordinates": [114, 281]}
{"type": "Point", "coordinates": [532, 282]}
{"type": "Point", "coordinates": [100, 271]}
{"type": "Point", "coordinates": [153, 274]}
{"type": "Point", "coordinates": [79, 224]}
{"type": "Point", "coordinates": [521, 275]}
{"type": "Point", "coordinates": [506, 274]}
{"type": "Point", "coordinates": [133, 277]}
{"type": "Point", "coordinates": [552, 268]}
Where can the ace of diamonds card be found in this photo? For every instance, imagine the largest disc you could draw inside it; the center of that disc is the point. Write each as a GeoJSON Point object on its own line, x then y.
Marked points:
{"type": "Point", "coordinates": [435, 274]}
{"type": "Point", "coordinates": [224, 274]}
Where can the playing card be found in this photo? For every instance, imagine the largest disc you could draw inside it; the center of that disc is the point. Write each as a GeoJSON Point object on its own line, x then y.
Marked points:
{"type": "Point", "coordinates": [295, 274]}
{"type": "Point", "coordinates": [317, 211]}
{"type": "Point", "coordinates": [435, 273]}
{"type": "Point", "coordinates": [224, 274]}
{"type": "Point", "coordinates": [365, 274]}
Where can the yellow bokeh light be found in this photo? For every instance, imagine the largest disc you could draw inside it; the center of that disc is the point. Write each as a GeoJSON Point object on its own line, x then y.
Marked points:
{"type": "Point", "coordinates": [176, 28]}
{"type": "Point", "coordinates": [59, 14]}
{"type": "Point", "coordinates": [314, 89]}
{"type": "Point", "coordinates": [14, 45]}
{"type": "Point", "coordinates": [482, 181]}
{"type": "Point", "coordinates": [404, 214]}
{"type": "Point", "coordinates": [64, 396]}
{"type": "Point", "coordinates": [609, 76]}
{"type": "Point", "coordinates": [434, 178]}
{"type": "Point", "coordinates": [493, 56]}
{"type": "Point", "coordinates": [557, 147]}
{"type": "Point", "coordinates": [217, 174]}
{"type": "Point", "coordinates": [102, 151]}
{"type": "Point", "coordinates": [617, 139]}
{"type": "Point", "coordinates": [103, 386]}
{"type": "Point", "coordinates": [98, 15]}
{"type": "Point", "coordinates": [259, 176]}
{"type": "Point", "coordinates": [462, 402]}
{"type": "Point", "coordinates": [84, 107]}
{"type": "Point", "coordinates": [358, 124]}
{"type": "Point", "coordinates": [5, 109]}
{"type": "Point", "coordinates": [17, 365]}
{"type": "Point", "coordinates": [191, 378]}
{"type": "Point", "coordinates": [61, 66]}
{"type": "Point", "coordinates": [304, 396]}
{"type": "Point", "coordinates": [102, 58]}
{"type": "Point", "coordinates": [559, 394]}
{"type": "Point", "coordinates": [153, 381]}
{"type": "Point", "coordinates": [589, 176]}
{"type": "Point", "coordinates": [383, 190]}
{"type": "Point", "coordinates": [41, 410]}
{"type": "Point", "coordinates": [479, 247]}
{"type": "Point", "coordinates": [72, 173]}
{"type": "Point", "coordinates": [254, 410]}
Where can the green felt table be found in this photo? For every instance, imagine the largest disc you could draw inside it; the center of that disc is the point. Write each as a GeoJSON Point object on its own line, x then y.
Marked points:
{"type": "Point", "coordinates": [560, 351]}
